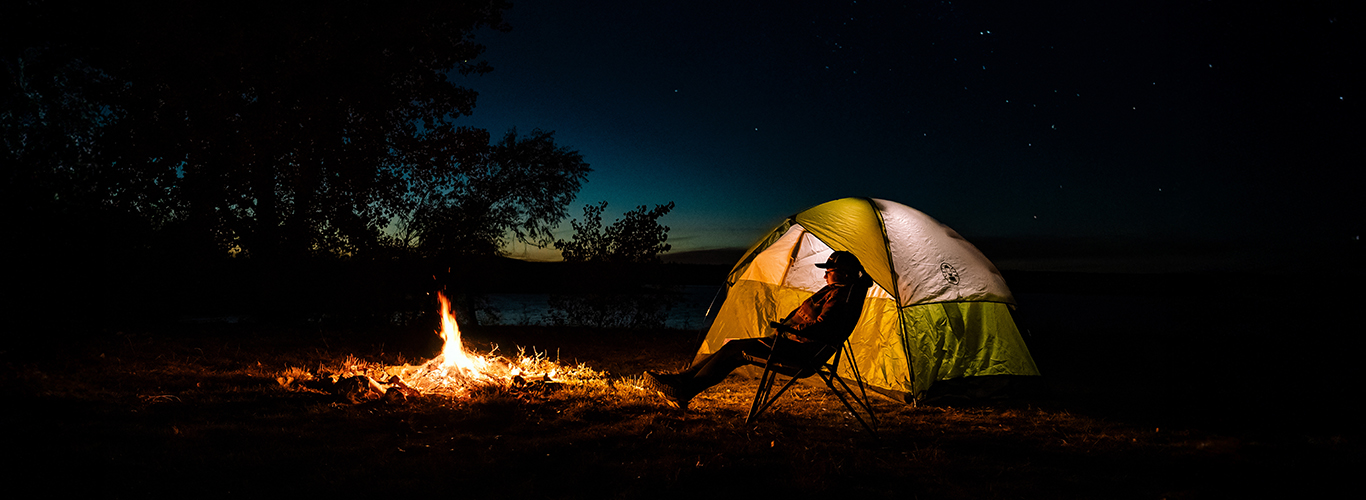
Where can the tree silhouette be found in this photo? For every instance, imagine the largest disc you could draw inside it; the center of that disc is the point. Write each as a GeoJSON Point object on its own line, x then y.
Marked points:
{"type": "Point", "coordinates": [635, 238]}
{"type": "Point", "coordinates": [276, 130]}
{"type": "Point", "coordinates": [517, 188]}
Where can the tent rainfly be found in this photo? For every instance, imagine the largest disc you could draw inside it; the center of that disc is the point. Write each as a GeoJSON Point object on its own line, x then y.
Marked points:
{"type": "Point", "coordinates": [938, 309]}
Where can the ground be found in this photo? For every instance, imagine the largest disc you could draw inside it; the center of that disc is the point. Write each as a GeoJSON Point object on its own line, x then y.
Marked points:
{"type": "Point", "coordinates": [200, 410]}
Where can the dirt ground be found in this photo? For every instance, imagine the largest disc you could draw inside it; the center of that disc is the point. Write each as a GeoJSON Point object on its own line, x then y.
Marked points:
{"type": "Point", "coordinates": [199, 410]}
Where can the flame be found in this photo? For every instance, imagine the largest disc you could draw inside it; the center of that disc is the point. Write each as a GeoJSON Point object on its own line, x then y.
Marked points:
{"type": "Point", "coordinates": [454, 372]}
{"type": "Point", "coordinates": [453, 355]}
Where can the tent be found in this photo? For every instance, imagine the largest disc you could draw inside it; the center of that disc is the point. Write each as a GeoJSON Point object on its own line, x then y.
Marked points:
{"type": "Point", "coordinates": [938, 309]}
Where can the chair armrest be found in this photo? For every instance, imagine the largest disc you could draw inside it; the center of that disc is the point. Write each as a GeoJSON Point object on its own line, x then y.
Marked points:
{"type": "Point", "coordinates": [784, 329]}
{"type": "Point", "coordinates": [786, 332]}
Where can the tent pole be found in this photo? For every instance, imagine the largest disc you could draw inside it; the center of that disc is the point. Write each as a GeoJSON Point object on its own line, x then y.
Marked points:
{"type": "Point", "coordinates": [706, 325]}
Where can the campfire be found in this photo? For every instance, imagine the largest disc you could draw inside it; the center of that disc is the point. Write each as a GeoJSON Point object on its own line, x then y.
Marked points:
{"type": "Point", "coordinates": [454, 373]}
{"type": "Point", "coordinates": [456, 370]}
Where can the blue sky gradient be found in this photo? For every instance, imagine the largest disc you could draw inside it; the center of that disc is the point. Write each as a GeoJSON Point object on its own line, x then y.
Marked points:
{"type": "Point", "coordinates": [1157, 122]}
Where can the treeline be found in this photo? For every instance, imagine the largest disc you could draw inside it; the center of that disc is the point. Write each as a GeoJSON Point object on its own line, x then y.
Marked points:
{"type": "Point", "coordinates": [249, 150]}
{"type": "Point", "coordinates": [273, 130]}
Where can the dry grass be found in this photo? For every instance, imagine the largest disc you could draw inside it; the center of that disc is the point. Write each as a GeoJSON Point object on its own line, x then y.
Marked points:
{"type": "Point", "coordinates": [227, 413]}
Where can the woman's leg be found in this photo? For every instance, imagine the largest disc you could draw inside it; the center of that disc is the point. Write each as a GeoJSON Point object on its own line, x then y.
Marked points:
{"type": "Point", "coordinates": [713, 368]}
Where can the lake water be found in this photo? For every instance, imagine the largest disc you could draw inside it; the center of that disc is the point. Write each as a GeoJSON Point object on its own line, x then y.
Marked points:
{"type": "Point", "coordinates": [1035, 309]}
{"type": "Point", "coordinates": [530, 308]}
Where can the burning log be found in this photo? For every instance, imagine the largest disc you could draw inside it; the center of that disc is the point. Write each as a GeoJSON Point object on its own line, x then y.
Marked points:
{"type": "Point", "coordinates": [394, 396]}
{"type": "Point", "coordinates": [399, 391]}
{"type": "Point", "coordinates": [362, 388]}
{"type": "Point", "coordinates": [357, 389]}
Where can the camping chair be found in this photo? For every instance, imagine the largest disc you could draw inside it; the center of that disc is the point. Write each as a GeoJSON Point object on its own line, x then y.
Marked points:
{"type": "Point", "coordinates": [825, 364]}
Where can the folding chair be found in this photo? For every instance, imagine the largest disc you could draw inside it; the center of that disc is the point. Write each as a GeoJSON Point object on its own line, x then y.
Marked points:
{"type": "Point", "coordinates": [825, 363]}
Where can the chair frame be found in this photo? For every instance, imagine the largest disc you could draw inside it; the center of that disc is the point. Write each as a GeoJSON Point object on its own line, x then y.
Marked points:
{"type": "Point", "coordinates": [817, 365]}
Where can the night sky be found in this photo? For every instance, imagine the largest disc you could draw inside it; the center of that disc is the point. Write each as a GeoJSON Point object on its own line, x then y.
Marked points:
{"type": "Point", "coordinates": [1147, 136]}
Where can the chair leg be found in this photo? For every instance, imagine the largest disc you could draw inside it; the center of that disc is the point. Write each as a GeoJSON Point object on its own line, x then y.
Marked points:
{"type": "Point", "coordinates": [767, 400]}
{"type": "Point", "coordinates": [862, 388]}
{"type": "Point", "coordinates": [780, 393]}
{"type": "Point", "coordinates": [872, 429]}
{"type": "Point", "coordinates": [760, 394]}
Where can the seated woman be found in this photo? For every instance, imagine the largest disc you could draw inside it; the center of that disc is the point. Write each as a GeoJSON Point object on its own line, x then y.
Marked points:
{"type": "Point", "coordinates": [826, 318]}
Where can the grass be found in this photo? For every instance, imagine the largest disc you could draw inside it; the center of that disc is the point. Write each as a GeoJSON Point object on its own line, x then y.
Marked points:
{"type": "Point", "coordinates": [201, 411]}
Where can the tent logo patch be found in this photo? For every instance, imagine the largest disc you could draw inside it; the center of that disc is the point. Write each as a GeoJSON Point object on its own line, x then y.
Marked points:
{"type": "Point", "coordinates": [950, 274]}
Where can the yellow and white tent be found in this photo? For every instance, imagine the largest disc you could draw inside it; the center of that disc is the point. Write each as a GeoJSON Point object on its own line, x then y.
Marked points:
{"type": "Point", "coordinates": [938, 309]}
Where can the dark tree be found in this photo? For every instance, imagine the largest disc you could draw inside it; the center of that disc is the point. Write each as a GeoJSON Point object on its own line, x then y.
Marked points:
{"type": "Point", "coordinates": [517, 188]}
{"type": "Point", "coordinates": [635, 238]}
{"type": "Point", "coordinates": [620, 257]}
{"type": "Point", "coordinates": [50, 120]}
{"type": "Point", "coordinates": [276, 129]}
